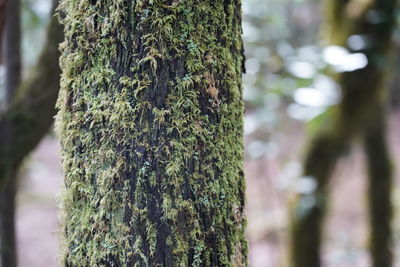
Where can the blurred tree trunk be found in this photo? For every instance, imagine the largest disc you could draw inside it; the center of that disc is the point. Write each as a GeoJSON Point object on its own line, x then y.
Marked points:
{"type": "Point", "coordinates": [379, 190]}
{"type": "Point", "coordinates": [395, 82]}
{"type": "Point", "coordinates": [30, 114]}
{"type": "Point", "coordinates": [7, 220]}
{"type": "Point", "coordinates": [367, 29]}
{"type": "Point", "coordinates": [12, 49]}
{"type": "Point", "coordinates": [12, 60]}
{"type": "Point", "coordinates": [26, 119]}
{"type": "Point", "coordinates": [151, 129]}
{"type": "Point", "coordinates": [3, 7]}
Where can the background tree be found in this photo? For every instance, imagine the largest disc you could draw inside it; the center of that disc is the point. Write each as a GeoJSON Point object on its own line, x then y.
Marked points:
{"type": "Point", "coordinates": [27, 117]}
{"type": "Point", "coordinates": [364, 28]}
{"type": "Point", "coordinates": [151, 130]}
{"type": "Point", "coordinates": [3, 12]}
{"type": "Point", "coordinates": [12, 60]}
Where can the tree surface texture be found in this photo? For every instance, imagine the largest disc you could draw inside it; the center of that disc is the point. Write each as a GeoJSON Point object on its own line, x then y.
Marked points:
{"type": "Point", "coordinates": [150, 123]}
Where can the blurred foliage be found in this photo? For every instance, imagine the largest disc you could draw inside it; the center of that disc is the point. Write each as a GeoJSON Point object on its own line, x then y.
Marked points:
{"type": "Point", "coordinates": [35, 16]}
{"type": "Point", "coordinates": [289, 72]}
{"type": "Point", "coordinates": [284, 78]}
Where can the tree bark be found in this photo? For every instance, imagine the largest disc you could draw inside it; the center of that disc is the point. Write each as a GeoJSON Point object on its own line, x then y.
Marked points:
{"type": "Point", "coordinates": [151, 129]}
{"type": "Point", "coordinates": [360, 113]}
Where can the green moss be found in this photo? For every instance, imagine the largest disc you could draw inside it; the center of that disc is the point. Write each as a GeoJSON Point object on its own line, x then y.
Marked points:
{"type": "Point", "coordinates": [151, 128]}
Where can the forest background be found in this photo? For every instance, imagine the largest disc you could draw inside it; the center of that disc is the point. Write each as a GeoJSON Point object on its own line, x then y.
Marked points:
{"type": "Point", "coordinates": [288, 93]}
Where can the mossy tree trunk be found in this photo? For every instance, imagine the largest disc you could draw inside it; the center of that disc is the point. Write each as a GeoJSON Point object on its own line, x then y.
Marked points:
{"type": "Point", "coordinates": [361, 113]}
{"type": "Point", "coordinates": [151, 129]}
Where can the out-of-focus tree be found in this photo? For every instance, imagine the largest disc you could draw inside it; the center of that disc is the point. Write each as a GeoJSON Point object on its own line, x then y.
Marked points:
{"type": "Point", "coordinates": [26, 118]}
{"type": "Point", "coordinates": [3, 6]}
{"type": "Point", "coordinates": [395, 77]}
{"type": "Point", "coordinates": [285, 76]}
{"type": "Point", "coordinates": [362, 34]}
{"type": "Point", "coordinates": [12, 61]}
{"type": "Point", "coordinates": [151, 129]}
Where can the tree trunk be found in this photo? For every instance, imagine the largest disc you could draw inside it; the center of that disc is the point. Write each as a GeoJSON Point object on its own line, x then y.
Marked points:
{"type": "Point", "coordinates": [394, 88]}
{"type": "Point", "coordinates": [12, 49]}
{"type": "Point", "coordinates": [12, 56]}
{"type": "Point", "coordinates": [360, 113]}
{"type": "Point", "coordinates": [151, 129]}
{"type": "Point", "coordinates": [7, 220]}
{"type": "Point", "coordinates": [30, 114]}
{"type": "Point", "coordinates": [25, 121]}
{"type": "Point", "coordinates": [379, 190]}
{"type": "Point", "coordinates": [3, 13]}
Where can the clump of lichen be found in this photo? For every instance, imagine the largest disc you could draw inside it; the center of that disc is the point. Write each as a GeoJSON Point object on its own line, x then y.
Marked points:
{"type": "Point", "coordinates": [150, 123]}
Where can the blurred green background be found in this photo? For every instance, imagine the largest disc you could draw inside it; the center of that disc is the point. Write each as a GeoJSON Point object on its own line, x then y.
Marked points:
{"type": "Point", "coordinates": [288, 92]}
